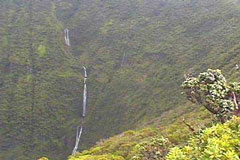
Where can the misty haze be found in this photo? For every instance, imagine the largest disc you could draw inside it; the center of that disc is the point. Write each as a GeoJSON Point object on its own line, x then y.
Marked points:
{"type": "Point", "coordinates": [119, 79]}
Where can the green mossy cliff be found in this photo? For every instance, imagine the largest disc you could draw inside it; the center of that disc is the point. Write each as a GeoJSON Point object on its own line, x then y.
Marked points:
{"type": "Point", "coordinates": [41, 78]}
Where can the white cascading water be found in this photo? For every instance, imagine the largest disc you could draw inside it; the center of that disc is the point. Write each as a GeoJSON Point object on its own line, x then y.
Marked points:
{"type": "Point", "coordinates": [84, 100]}
{"type": "Point", "coordinates": [66, 37]}
{"type": "Point", "coordinates": [84, 92]}
{"type": "Point", "coordinates": [78, 137]}
{"type": "Point", "coordinates": [80, 128]}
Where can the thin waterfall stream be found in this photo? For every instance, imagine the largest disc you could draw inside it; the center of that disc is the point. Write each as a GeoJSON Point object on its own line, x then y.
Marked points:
{"type": "Point", "coordinates": [123, 59]}
{"type": "Point", "coordinates": [80, 127]}
{"type": "Point", "coordinates": [66, 37]}
{"type": "Point", "coordinates": [85, 92]}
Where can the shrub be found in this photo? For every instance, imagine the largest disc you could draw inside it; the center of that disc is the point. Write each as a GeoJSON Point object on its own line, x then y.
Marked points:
{"type": "Point", "coordinates": [43, 158]}
{"type": "Point", "coordinates": [97, 157]}
{"type": "Point", "coordinates": [211, 90]}
{"type": "Point", "coordinates": [156, 149]}
{"type": "Point", "coordinates": [220, 142]}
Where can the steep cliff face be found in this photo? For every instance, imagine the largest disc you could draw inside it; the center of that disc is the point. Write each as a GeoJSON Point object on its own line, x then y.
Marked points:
{"type": "Point", "coordinates": [136, 53]}
{"type": "Point", "coordinates": [39, 89]}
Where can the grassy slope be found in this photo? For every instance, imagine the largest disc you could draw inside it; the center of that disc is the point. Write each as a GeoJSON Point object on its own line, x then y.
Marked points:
{"type": "Point", "coordinates": [161, 40]}
{"type": "Point", "coordinates": [128, 145]}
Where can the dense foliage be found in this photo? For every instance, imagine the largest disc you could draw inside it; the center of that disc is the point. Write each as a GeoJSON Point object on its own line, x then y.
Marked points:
{"type": "Point", "coordinates": [148, 143]}
{"type": "Point", "coordinates": [221, 142]}
{"type": "Point", "coordinates": [136, 52]}
{"type": "Point", "coordinates": [38, 87]}
{"type": "Point", "coordinates": [160, 40]}
{"type": "Point", "coordinates": [98, 157]}
{"type": "Point", "coordinates": [211, 90]}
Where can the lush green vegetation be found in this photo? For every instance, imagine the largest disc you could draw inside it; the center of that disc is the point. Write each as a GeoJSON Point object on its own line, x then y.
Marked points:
{"type": "Point", "coordinates": [161, 40]}
{"type": "Point", "coordinates": [153, 142]}
{"type": "Point", "coordinates": [41, 78]}
{"type": "Point", "coordinates": [38, 87]}
{"type": "Point", "coordinates": [211, 90]}
{"type": "Point", "coordinates": [220, 141]}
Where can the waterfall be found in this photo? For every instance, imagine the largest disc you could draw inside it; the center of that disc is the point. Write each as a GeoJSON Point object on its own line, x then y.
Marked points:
{"type": "Point", "coordinates": [78, 137]}
{"type": "Point", "coordinates": [123, 59]}
{"type": "Point", "coordinates": [84, 100]}
{"type": "Point", "coordinates": [84, 92]}
{"type": "Point", "coordinates": [66, 37]}
{"type": "Point", "coordinates": [85, 72]}
{"type": "Point", "coordinates": [80, 128]}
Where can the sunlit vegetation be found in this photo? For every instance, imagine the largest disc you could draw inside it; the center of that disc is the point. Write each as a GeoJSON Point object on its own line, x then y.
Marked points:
{"type": "Point", "coordinates": [220, 141]}
{"type": "Point", "coordinates": [149, 143]}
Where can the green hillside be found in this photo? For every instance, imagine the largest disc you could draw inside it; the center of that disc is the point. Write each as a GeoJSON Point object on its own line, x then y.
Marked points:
{"type": "Point", "coordinates": [209, 139]}
{"type": "Point", "coordinates": [136, 53]}
{"type": "Point", "coordinates": [221, 141]}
